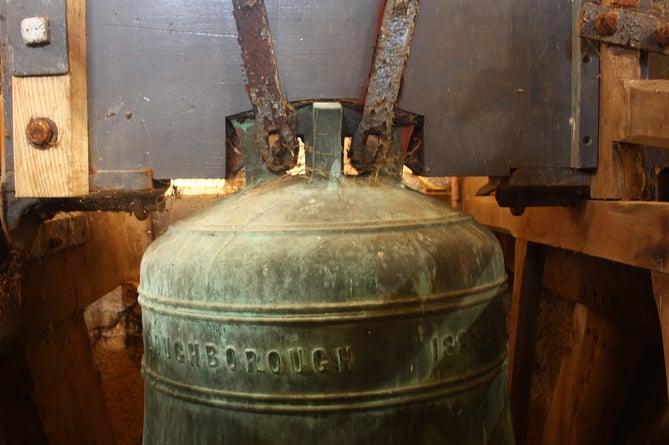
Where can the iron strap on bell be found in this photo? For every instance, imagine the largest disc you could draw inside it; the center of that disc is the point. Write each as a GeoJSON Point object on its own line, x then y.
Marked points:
{"type": "Point", "coordinates": [324, 309]}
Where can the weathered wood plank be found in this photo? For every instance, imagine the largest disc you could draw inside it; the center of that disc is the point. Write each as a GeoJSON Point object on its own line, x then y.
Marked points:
{"type": "Point", "coordinates": [645, 112]}
{"type": "Point", "coordinates": [54, 290]}
{"type": "Point", "coordinates": [594, 380]}
{"type": "Point", "coordinates": [528, 271]}
{"type": "Point", "coordinates": [619, 169]}
{"type": "Point", "coordinates": [19, 419]}
{"type": "Point", "coordinates": [62, 170]}
{"type": "Point", "coordinates": [67, 391]}
{"type": "Point", "coordinates": [630, 232]}
{"type": "Point", "coordinates": [661, 291]}
{"type": "Point", "coordinates": [77, 36]}
{"type": "Point", "coordinates": [53, 287]}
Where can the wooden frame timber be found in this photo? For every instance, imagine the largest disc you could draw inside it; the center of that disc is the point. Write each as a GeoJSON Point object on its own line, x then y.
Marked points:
{"type": "Point", "coordinates": [613, 225]}
{"type": "Point", "coordinates": [61, 170]}
{"type": "Point", "coordinates": [629, 232]}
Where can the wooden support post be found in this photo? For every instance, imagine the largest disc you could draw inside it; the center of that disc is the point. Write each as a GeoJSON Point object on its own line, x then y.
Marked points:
{"type": "Point", "coordinates": [19, 419]}
{"type": "Point", "coordinates": [619, 172]}
{"type": "Point", "coordinates": [593, 382]}
{"type": "Point", "coordinates": [58, 286]}
{"type": "Point", "coordinates": [528, 271]}
{"type": "Point", "coordinates": [661, 292]}
{"type": "Point", "coordinates": [67, 391]}
{"type": "Point", "coordinates": [62, 169]}
{"type": "Point", "coordinates": [609, 334]}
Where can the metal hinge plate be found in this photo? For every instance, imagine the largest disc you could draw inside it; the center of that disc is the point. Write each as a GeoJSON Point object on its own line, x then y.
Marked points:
{"type": "Point", "coordinates": [37, 33]}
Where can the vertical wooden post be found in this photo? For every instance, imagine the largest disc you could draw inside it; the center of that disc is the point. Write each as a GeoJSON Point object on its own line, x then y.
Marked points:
{"type": "Point", "coordinates": [619, 171]}
{"type": "Point", "coordinates": [67, 390]}
{"type": "Point", "coordinates": [595, 376]}
{"type": "Point", "coordinates": [456, 192]}
{"type": "Point", "coordinates": [62, 169]}
{"type": "Point", "coordinates": [528, 271]}
{"type": "Point", "coordinates": [661, 293]}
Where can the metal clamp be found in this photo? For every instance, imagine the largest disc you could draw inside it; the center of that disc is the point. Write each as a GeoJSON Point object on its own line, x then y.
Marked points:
{"type": "Point", "coordinates": [647, 30]}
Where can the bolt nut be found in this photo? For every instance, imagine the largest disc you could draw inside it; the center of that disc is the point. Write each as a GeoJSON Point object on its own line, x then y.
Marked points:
{"type": "Point", "coordinates": [35, 31]}
{"type": "Point", "coordinates": [606, 24]}
{"type": "Point", "coordinates": [41, 132]}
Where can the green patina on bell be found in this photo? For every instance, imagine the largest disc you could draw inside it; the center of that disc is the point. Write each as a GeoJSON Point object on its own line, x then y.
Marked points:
{"type": "Point", "coordinates": [325, 309]}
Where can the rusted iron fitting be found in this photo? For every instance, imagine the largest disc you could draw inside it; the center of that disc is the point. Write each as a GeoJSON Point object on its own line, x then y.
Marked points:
{"type": "Point", "coordinates": [643, 29]}
{"type": "Point", "coordinates": [42, 132]}
{"type": "Point", "coordinates": [662, 34]}
{"type": "Point", "coordinates": [275, 117]}
{"type": "Point", "coordinates": [279, 138]}
{"type": "Point", "coordinates": [373, 136]}
{"type": "Point", "coordinates": [606, 24]}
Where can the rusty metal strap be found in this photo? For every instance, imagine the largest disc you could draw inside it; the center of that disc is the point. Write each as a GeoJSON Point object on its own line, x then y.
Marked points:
{"type": "Point", "coordinates": [275, 117]}
{"type": "Point", "coordinates": [646, 30]}
{"type": "Point", "coordinates": [373, 135]}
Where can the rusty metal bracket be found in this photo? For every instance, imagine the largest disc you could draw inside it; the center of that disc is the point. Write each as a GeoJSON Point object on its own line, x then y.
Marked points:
{"type": "Point", "coordinates": [646, 30]}
{"type": "Point", "coordinates": [275, 132]}
{"type": "Point", "coordinates": [373, 136]}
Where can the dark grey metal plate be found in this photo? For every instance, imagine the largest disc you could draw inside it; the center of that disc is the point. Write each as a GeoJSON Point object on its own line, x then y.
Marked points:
{"type": "Point", "coordinates": [50, 59]}
{"type": "Point", "coordinates": [493, 80]}
{"type": "Point", "coordinates": [163, 76]}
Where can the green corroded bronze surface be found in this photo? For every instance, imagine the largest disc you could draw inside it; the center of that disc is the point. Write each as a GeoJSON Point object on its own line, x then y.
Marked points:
{"type": "Point", "coordinates": [310, 310]}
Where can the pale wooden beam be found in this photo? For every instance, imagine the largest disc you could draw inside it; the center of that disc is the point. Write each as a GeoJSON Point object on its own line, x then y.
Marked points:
{"type": "Point", "coordinates": [62, 169]}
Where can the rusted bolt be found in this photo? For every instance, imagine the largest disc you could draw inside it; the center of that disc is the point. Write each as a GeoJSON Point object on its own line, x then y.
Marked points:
{"type": "Point", "coordinates": [41, 132]}
{"type": "Point", "coordinates": [606, 23]}
{"type": "Point", "coordinates": [662, 34]}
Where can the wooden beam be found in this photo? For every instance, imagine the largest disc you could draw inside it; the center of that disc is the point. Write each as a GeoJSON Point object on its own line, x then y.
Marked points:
{"type": "Point", "coordinates": [54, 290]}
{"type": "Point", "coordinates": [67, 391]}
{"type": "Point", "coordinates": [661, 292]}
{"type": "Point", "coordinates": [594, 379]}
{"type": "Point", "coordinates": [19, 419]}
{"type": "Point", "coordinates": [528, 271]}
{"type": "Point", "coordinates": [644, 113]}
{"type": "Point", "coordinates": [620, 297]}
{"type": "Point", "coordinates": [619, 174]}
{"type": "Point", "coordinates": [62, 169]}
{"type": "Point", "coordinates": [630, 232]}
{"type": "Point", "coordinates": [58, 286]}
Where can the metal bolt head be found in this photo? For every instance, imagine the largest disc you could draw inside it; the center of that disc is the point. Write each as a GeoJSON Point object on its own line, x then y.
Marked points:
{"type": "Point", "coordinates": [35, 31]}
{"type": "Point", "coordinates": [606, 24]}
{"type": "Point", "coordinates": [41, 132]}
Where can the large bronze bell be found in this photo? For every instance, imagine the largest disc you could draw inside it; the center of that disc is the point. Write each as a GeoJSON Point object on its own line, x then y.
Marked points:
{"type": "Point", "coordinates": [325, 309]}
